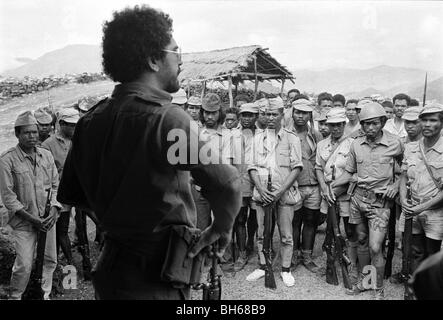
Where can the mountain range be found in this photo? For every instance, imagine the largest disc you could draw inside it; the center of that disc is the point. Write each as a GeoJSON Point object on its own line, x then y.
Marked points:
{"type": "Point", "coordinates": [384, 80]}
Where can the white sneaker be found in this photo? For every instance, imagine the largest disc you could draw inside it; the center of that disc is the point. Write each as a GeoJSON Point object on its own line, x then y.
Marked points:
{"type": "Point", "coordinates": [288, 279]}
{"type": "Point", "coordinates": [255, 275]}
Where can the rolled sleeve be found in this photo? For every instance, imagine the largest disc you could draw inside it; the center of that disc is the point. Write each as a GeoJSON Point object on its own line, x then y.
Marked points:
{"type": "Point", "coordinates": [296, 154]}
{"type": "Point", "coordinates": [351, 163]}
{"type": "Point", "coordinates": [319, 162]}
{"type": "Point", "coordinates": [9, 197]}
{"type": "Point", "coordinates": [54, 187]}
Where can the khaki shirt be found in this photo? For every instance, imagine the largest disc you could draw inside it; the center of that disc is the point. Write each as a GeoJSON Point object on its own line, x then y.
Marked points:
{"type": "Point", "coordinates": [242, 141]}
{"type": "Point", "coordinates": [309, 146]}
{"type": "Point", "coordinates": [280, 153]}
{"type": "Point", "coordinates": [374, 164]}
{"type": "Point", "coordinates": [422, 185]}
{"type": "Point", "coordinates": [59, 148]}
{"type": "Point", "coordinates": [329, 154]}
{"type": "Point", "coordinates": [219, 139]}
{"type": "Point", "coordinates": [23, 185]}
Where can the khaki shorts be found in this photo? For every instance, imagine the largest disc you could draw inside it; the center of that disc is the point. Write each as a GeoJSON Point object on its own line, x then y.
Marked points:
{"type": "Point", "coordinates": [344, 207]}
{"type": "Point", "coordinates": [429, 222]}
{"type": "Point", "coordinates": [378, 218]}
{"type": "Point", "coordinates": [310, 197]}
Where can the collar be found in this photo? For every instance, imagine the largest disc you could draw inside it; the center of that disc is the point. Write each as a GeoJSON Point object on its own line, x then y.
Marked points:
{"type": "Point", "coordinates": [59, 137]}
{"type": "Point", "coordinates": [437, 147]}
{"type": "Point", "coordinates": [383, 140]}
{"type": "Point", "coordinates": [22, 155]}
{"type": "Point", "coordinates": [142, 91]}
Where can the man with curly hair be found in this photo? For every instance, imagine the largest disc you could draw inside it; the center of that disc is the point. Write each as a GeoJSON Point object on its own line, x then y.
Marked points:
{"type": "Point", "coordinates": [121, 167]}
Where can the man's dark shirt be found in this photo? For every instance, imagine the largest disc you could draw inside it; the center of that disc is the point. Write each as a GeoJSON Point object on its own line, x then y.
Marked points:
{"type": "Point", "coordinates": [118, 167]}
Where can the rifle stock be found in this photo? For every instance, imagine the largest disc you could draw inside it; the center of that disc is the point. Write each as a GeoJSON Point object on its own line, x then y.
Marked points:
{"type": "Point", "coordinates": [268, 209]}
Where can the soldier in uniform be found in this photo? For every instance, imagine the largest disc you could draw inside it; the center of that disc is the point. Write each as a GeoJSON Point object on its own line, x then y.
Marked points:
{"type": "Point", "coordinates": [276, 152]}
{"type": "Point", "coordinates": [242, 140]}
{"type": "Point", "coordinates": [193, 109]}
{"type": "Point", "coordinates": [231, 119]}
{"type": "Point", "coordinates": [322, 125]}
{"type": "Point", "coordinates": [412, 124]}
{"type": "Point", "coordinates": [307, 211]}
{"type": "Point", "coordinates": [59, 144]}
{"type": "Point", "coordinates": [334, 151]}
{"type": "Point", "coordinates": [423, 168]}
{"type": "Point", "coordinates": [262, 120]}
{"type": "Point", "coordinates": [26, 173]}
{"type": "Point", "coordinates": [121, 166]}
{"type": "Point", "coordinates": [372, 157]}
{"type": "Point", "coordinates": [44, 123]}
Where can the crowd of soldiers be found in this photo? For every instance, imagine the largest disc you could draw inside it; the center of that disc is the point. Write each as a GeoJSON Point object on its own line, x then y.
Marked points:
{"type": "Point", "coordinates": [27, 172]}
{"type": "Point", "coordinates": [360, 154]}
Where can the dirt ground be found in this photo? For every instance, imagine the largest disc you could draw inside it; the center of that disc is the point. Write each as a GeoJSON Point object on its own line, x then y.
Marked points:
{"type": "Point", "coordinates": [308, 286]}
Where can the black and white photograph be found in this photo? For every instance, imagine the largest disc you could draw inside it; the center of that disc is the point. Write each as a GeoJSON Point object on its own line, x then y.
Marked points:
{"type": "Point", "coordinates": [244, 151]}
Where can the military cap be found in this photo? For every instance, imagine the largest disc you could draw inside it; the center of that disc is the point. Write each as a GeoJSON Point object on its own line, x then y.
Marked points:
{"type": "Point", "coordinates": [179, 97]}
{"type": "Point", "coordinates": [411, 113]}
{"type": "Point", "coordinates": [194, 101]}
{"type": "Point", "coordinates": [249, 107]}
{"type": "Point", "coordinates": [275, 103]}
{"type": "Point", "coordinates": [262, 104]}
{"type": "Point", "coordinates": [211, 102]}
{"type": "Point", "coordinates": [431, 108]}
{"type": "Point", "coordinates": [321, 117]}
{"type": "Point", "coordinates": [42, 117]}
{"type": "Point", "coordinates": [302, 105]}
{"type": "Point", "coordinates": [336, 115]}
{"type": "Point", "coordinates": [85, 103]}
{"type": "Point", "coordinates": [25, 119]}
{"type": "Point", "coordinates": [69, 115]}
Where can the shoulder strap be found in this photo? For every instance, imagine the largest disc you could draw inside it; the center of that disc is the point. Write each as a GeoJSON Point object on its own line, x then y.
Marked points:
{"type": "Point", "coordinates": [437, 184]}
{"type": "Point", "coordinates": [335, 150]}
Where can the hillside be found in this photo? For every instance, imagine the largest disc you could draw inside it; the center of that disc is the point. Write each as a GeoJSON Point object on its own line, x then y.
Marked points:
{"type": "Point", "coordinates": [353, 81]}
{"type": "Point", "coordinates": [71, 59]}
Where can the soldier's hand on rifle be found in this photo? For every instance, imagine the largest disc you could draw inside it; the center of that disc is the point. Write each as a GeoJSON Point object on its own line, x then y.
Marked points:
{"type": "Point", "coordinates": [266, 195]}
{"type": "Point", "coordinates": [51, 219]}
{"type": "Point", "coordinates": [329, 197]}
{"type": "Point", "coordinates": [411, 210]}
{"type": "Point", "coordinates": [207, 238]}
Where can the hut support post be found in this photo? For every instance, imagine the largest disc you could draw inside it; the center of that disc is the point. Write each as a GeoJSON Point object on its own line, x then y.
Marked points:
{"type": "Point", "coordinates": [231, 99]}
{"type": "Point", "coordinates": [188, 88]}
{"type": "Point", "coordinates": [256, 78]}
{"type": "Point", "coordinates": [282, 87]}
{"type": "Point", "coordinates": [203, 89]}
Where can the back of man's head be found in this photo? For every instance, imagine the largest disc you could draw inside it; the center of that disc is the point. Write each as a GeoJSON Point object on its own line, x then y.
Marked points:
{"type": "Point", "coordinates": [131, 38]}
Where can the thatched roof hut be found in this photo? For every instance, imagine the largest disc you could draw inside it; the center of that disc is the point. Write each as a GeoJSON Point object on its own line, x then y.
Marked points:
{"type": "Point", "coordinates": [234, 65]}
{"type": "Point", "coordinates": [241, 63]}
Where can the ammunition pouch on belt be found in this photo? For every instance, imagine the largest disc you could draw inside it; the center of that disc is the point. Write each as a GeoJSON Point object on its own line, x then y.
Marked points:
{"type": "Point", "coordinates": [177, 267]}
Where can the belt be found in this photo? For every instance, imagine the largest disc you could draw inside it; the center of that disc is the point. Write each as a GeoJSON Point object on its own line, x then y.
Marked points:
{"type": "Point", "coordinates": [365, 193]}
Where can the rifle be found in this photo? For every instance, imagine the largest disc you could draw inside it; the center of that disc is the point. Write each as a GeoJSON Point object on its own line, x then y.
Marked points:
{"type": "Point", "coordinates": [390, 237]}
{"type": "Point", "coordinates": [212, 290]}
{"type": "Point", "coordinates": [269, 211]}
{"type": "Point", "coordinates": [407, 252]}
{"type": "Point", "coordinates": [338, 245]}
{"type": "Point", "coordinates": [34, 290]}
{"type": "Point", "coordinates": [424, 93]}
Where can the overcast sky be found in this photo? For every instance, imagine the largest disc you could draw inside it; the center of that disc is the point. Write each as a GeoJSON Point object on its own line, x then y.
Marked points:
{"type": "Point", "coordinates": [301, 35]}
